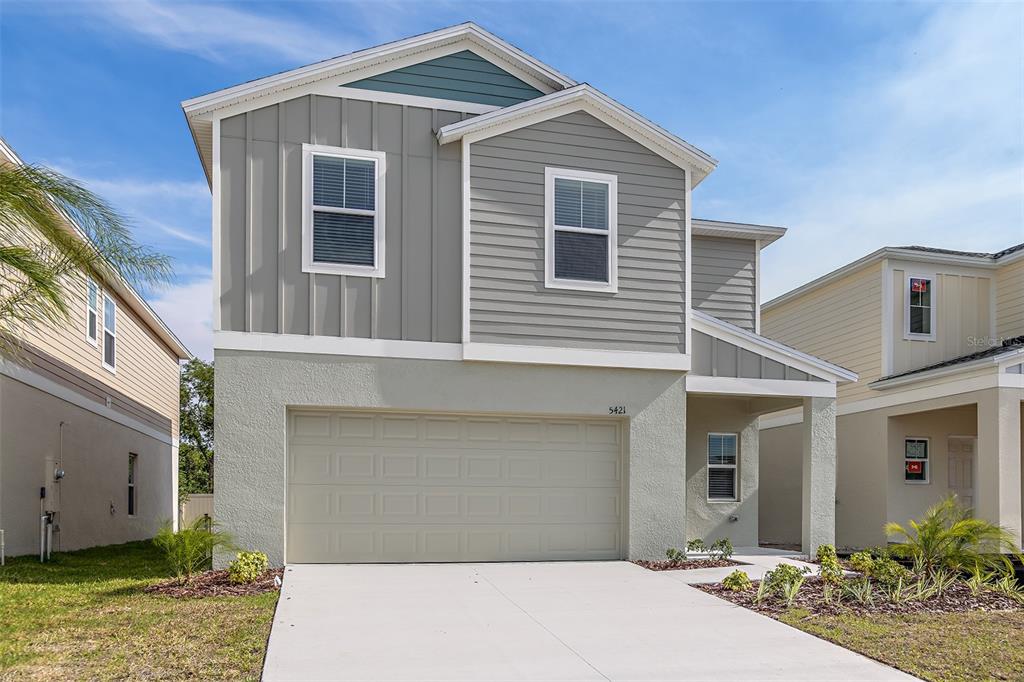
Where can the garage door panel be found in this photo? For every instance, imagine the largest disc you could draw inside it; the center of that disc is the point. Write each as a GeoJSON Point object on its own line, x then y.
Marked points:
{"type": "Point", "coordinates": [389, 487]}
{"type": "Point", "coordinates": [323, 543]}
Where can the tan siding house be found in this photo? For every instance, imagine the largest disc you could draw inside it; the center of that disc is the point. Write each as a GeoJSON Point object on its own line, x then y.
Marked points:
{"type": "Point", "coordinates": [89, 414]}
{"type": "Point", "coordinates": [938, 339]}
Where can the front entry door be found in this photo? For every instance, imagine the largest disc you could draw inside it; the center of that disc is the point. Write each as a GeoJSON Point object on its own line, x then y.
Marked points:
{"type": "Point", "coordinates": [961, 468]}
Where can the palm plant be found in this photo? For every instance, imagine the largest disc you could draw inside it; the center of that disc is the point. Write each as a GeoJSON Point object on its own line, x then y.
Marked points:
{"type": "Point", "coordinates": [950, 537]}
{"type": "Point", "coordinates": [52, 228]}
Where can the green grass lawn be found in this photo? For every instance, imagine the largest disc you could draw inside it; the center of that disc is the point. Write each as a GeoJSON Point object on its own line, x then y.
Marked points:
{"type": "Point", "coordinates": [85, 616]}
{"type": "Point", "coordinates": [976, 645]}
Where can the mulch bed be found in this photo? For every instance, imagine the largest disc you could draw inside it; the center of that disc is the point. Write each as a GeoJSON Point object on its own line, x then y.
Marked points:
{"type": "Point", "coordinates": [956, 599]}
{"type": "Point", "coordinates": [687, 565]}
{"type": "Point", "coordinates": [216, 584]}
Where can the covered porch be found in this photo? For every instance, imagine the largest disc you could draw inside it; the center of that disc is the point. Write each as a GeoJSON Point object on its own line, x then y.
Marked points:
{"type": "Point", "coordinates": [737, 376]}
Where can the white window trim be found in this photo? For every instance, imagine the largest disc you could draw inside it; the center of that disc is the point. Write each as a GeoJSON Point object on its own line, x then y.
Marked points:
{"type": "Point", "coordinates": [94, 340]}
{"type": "Point", "coordinates": [380, 161]}
{"type": "Point", "coordinates": [735, 467]}
{"type": "Point", "coordinates": [133, 497]}
{"type": "Point", "coordinates": [927, 460]}
{"type": "Point", "coordinates": [113, 333]}
{"type": "Point", "coordinates": [550, 282]}
{"type": "Point", "coordinates": [907, 334]}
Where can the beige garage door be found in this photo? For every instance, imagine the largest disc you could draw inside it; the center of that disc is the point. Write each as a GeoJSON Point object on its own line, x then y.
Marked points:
{"type": "Point", "coordinates": [389, 487]}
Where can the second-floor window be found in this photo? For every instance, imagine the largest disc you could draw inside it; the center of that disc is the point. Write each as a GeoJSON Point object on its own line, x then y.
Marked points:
{"type": "Point", "coordinates": [920, 308]}
{"type": "Point", "coordinates": [343, 212]}
{"type": "Point", "coordinates": [109, 333]}
{"type": "Point", "coordinates": [92, 304]}
{"type": "Point", "coordinates": [581, 226]}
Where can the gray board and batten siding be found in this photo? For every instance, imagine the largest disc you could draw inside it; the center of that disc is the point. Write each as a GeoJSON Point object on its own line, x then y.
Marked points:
{"type": "Point", "coordinates": [717, 358]}
{"type": "Point", "coordinates": [508, 300]}
{"type": "Point", "coordinates": [263, 287]}
{"type": "Point", "coordinates": [463, 76]}
{"type": "Point", "coordinates": [724, 280]}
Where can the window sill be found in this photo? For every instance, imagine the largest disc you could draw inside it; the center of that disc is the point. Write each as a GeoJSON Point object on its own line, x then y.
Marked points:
{"type": "Point", "coordinates": [580, 285]}
{"type": "Point", "coordinates": [109, 368]}
{"type": "Point", "coordinates": [348, 270]}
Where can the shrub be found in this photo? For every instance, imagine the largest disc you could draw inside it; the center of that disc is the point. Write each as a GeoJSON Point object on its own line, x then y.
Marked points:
{"type": "Point", "coordinates": [888, 572]}
{"type": "Point", "coordinates": [791, 589]}
{"type": "Point", "coordinates": [675, 555]}
{"type": "Point", "coordinates": [721, 549]}
{"type": "Point", "coordinates": [950, 537]}
{"type": "Point", "coordinates": [190, 550]}
{"type": "Point", "coordinates": [859, 590]}
{"type": "Point", "coordinates": [696, 545]}
{"type": "Point", "coordinates": [737, 581]}
{"type": "Point", "coordinates": [862, 562]}
{"type": "Point", "coordinates": [829, 568]}
{"type": "Point", "coordinates": [247, 567]}
{"type": "Point", "coordinates": [782, 579]}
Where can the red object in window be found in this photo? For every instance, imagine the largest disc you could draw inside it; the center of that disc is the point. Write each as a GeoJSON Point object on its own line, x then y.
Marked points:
{"type": "Point", "coordinates": [915, 467]}
{"type": "Point", "coordinates": [919, 286]}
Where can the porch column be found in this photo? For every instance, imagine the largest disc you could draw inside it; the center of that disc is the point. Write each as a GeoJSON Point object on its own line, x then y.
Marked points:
{"type": "Point", "coordinates": [819, 474]}
{"type": "Point", "coordinates": [998, 488]}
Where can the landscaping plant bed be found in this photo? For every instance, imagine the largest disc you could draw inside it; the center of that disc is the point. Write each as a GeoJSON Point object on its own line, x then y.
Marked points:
{"type": "Point", "coordinates": [956, 599]}
{"type": "Point", "coordinates": [686, 565]}
{"type": "Point", "coordinates": [216, 584]}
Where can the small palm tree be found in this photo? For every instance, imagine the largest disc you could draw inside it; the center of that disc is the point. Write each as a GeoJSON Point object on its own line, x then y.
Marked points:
{"type": "Point", "coordinates": [51, 228]}
{"type": "Point", "coordinates": [949, 536]}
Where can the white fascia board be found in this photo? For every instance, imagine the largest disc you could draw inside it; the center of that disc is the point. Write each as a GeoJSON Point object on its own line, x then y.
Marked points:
{"type": "Point", "coordinates": [1002, 360]}
{"type": "Point", "coordinates": [408, 100]}
{"type": "Point", "coordinates": [547, 355]}
{"type": "Point", "coordinates": [390, 55]}
{"type": "Point", "coordinates": [762, 345]}
{"type": "Point", "coordinates": [334, 345]}
{"type": "Point", "coordinates": [28, 377]}
{"type": "Point", "coordinates": [586, 98]}
{"type": "Point", "coordinates": [765, 234]}
{"type": "Point", "coordinates": [760, 387]}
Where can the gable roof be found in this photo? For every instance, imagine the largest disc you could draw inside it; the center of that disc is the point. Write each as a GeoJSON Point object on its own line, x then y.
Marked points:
{"type": "Point", "coordinates": [200, 111]}
{"type": "Point", "coordinates": [121, 286]}
{"type": "Point", "coordinates": [780, 352]}
{"type": "Point", "coordinates": [587, 98]}
{"type": "Point", "coordinates": [924, 254]}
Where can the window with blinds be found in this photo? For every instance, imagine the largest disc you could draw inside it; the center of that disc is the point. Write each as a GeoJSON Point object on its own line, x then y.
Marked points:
{"type": "Point", "coordinates": [343, 227]}
{"type": "Point", "coordinates": [723, 456]}
{"type": "Point", "coordinates": [581, 230]}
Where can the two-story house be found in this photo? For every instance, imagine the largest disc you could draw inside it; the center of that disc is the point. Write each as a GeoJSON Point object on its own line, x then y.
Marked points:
{"type": "Point", "coordinates": [937, 337]}
{"type": "Point", "coordinates": [462, 312]}
{"type": "Point", "coordinates": [89, 420]}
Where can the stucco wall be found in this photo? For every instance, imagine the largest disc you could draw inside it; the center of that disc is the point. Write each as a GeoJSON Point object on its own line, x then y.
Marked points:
{"type": "Point", "coordinates": [96, 464]}
{"type": "Point", "coordinates": [710, 520]}
{"type": "Point", "coordinates": [254, 389]}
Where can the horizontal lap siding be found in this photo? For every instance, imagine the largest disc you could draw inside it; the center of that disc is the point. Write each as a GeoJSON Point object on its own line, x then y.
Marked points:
{"type": "Point", "coordinates": [463, 76]}
{"type": "Point", "coordinates": [509, 303]}
{"type": "Point", "coordinates": [840, 322]}
{"type": "Point", "coordinates": [263, 287]}
{"type": "Point", "coordinates": [1010, 300]}
{"type": "Point", "coordinates": [724, 279]}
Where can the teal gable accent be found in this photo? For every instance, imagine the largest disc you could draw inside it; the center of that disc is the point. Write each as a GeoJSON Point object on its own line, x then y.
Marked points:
{"type": "Point", "coordinates": [463, 76]}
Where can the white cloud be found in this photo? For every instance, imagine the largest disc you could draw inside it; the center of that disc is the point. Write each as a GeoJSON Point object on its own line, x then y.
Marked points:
{"type": "Point", "coordinates": [219, 32]}
{"type": "Point", "coordinates": [186, 309]}
{"type": "Point", "coordinates": [931, 151]}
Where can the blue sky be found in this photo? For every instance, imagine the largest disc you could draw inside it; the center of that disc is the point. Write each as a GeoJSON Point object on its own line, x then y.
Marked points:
{"type": "Point", "coordinates": [856, 125]}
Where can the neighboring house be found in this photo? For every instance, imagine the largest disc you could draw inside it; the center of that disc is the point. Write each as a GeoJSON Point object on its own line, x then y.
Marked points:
{"type": "Point", "coordinates": [95, 397]}
{"type": "Point", "coordinates": [462, 312]}
{"type": "Point", "coordinates": [937, 337]}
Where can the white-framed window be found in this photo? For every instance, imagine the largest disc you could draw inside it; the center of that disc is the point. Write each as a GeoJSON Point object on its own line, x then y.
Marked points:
{"type": "Point", "coordinates": [919, 308]}
{"type": "Point", "coordinates": [133, 472]}
{"type": "Point", "coordinates": [723, 458]}
{"type": "Point", "coordinates": [916, 464]}
{"type": "Point", "coordinates": [581, 230]}
{"type": "Point", "coordinates": [92, 306]}
{"type": "Point", "coordinates": [109, 333]}
{"type": "Point", "coordinates": [343, 211]}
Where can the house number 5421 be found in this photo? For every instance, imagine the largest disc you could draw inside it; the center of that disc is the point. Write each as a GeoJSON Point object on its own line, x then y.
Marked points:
{"type": "Point", "coordinates": [617, 409]}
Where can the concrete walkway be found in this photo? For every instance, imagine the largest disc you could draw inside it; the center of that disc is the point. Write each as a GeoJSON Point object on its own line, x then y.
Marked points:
{"type": "Point", "coordinates": [758, 561]}
{"type": "Point", "coordinates": [533, 621]}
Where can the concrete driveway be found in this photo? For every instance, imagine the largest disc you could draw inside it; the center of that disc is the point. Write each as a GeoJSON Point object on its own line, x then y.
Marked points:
{"type": "Point", "coordinates": [532, 621]}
